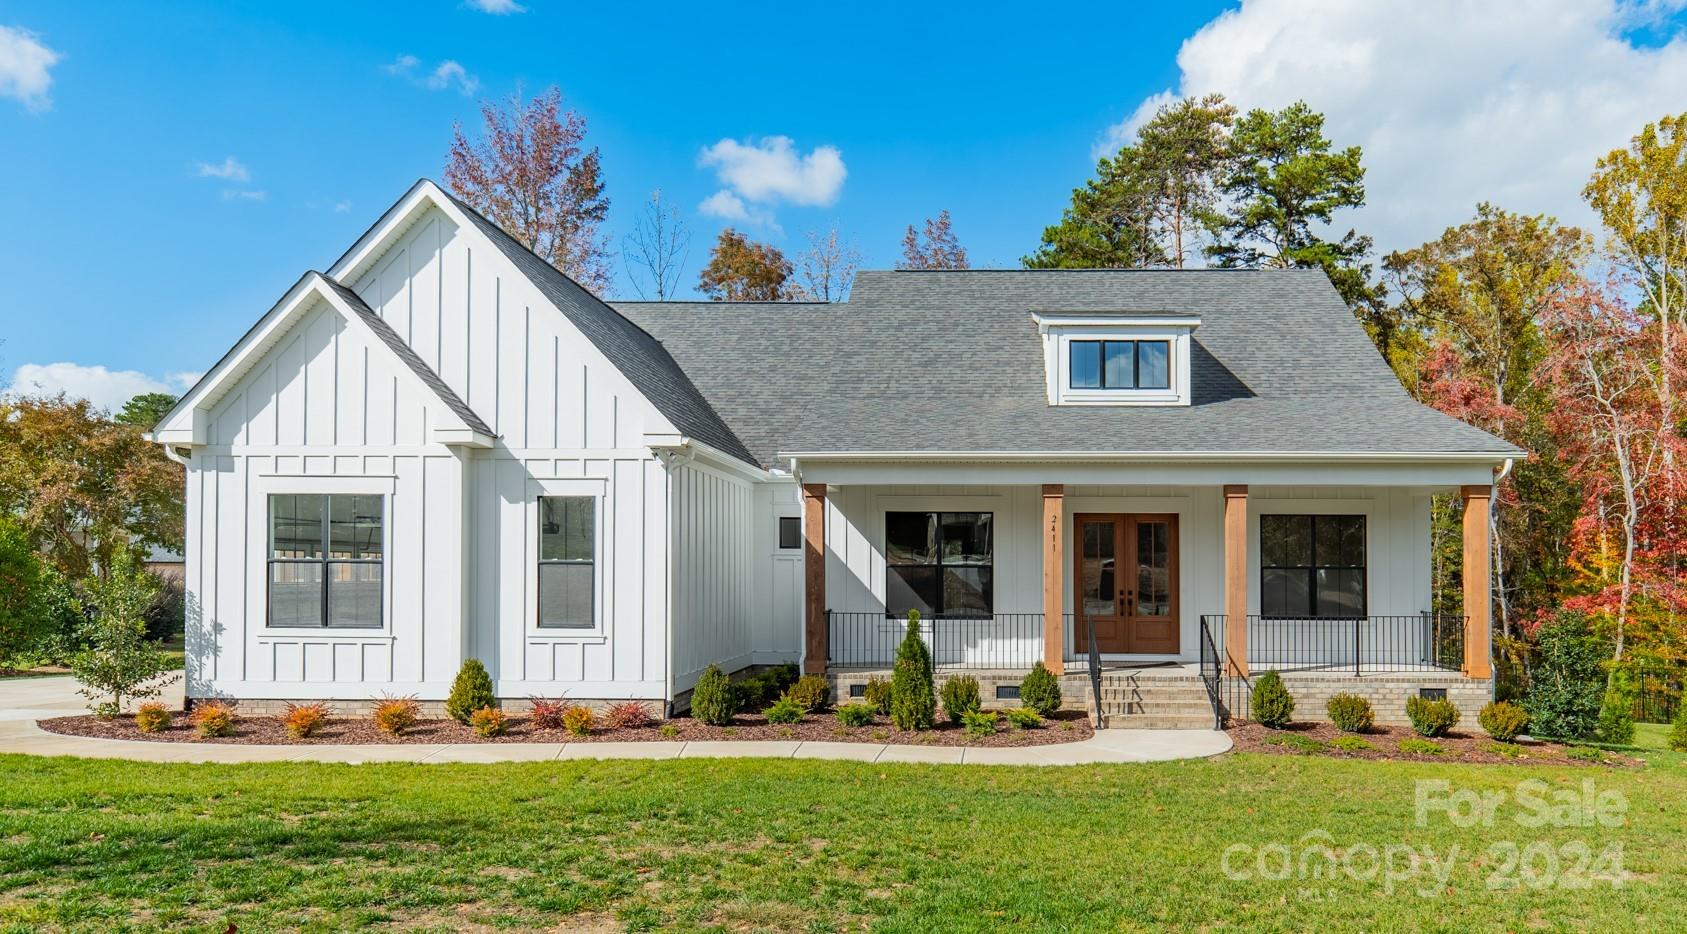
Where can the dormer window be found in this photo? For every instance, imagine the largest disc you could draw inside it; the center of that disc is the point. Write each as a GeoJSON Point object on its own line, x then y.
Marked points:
{"type": "Point", "coordinates": [1119, 364]}
{"type": "Point", "coordinates": [1117, 359]}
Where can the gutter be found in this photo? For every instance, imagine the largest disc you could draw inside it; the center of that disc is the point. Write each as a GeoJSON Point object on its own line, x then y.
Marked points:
{"type": "Point", "coordinates": [1152, 456]}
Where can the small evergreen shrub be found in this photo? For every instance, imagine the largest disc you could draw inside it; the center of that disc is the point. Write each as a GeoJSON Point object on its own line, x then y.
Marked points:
{"type": "Point", "coordinates": [1509, 750]}
{"type": "Point", "coordinates": [1616, 711]}
{"type": "Point", "coordinates": [855, 714]}
{"type": "Point", "coordinates": [877, 694]}
{"type": "Point", "coordinates": [488, 722]}
{"type": "Point", "coordinates": [913, 696]}
{"type": "Point", "coordinates": [629, 715]}
{"type": "Point", "coordinates": [213, 718]}
{"type": "Point", "coordinates": [1503, 720]}
{"type": "Point", "coordinates": [152, 717]}
{"type": "Point", "coordinates": [1351, 744]}
{"type": "Point", "coordinates": [1023, 718]}
{"type": "Point", "coordinates": [1678, 729]}
{"type": "Point", "coordinates": [1566, 683]}
{"type": "Point", "coordinates": [979, 722]}
{"type": "Point", "coordinates": [960, 696]}
{"type": "Point", "coordinates": [1431, 717]}
{"type": "Point", "coordinates": [1040, 691]}
{"type": "Point", "coordinates": [1270, 701]}
{"type": "Point", "coordinates": [471, 691]}
{"type": "Point", "coordinates": [1585, 754]}
{"type": "Point", "coordinates": [579, 720]}
{"type": "Point", "coordinates": [396, 714]}
{"type": "Point", "coordinates": [1421, 747]}
{"type": "Point", "coordinates": [785, 710]}
{"type": "Point", "coordinates": [668, 731]}
{"type": "Point", "coordinates": [301, 720]}
{"type": "Point", "coordinates": [810, 691]}
{"type": "Point", "coordinates": [546, 714]}
{"type": "Point", "coordinates": [712, 698]}
{"type": "Point", "coordinates": [1351, 713]}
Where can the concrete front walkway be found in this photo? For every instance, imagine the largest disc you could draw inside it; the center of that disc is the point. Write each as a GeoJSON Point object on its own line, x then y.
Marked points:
{"type": "Point", "coordinates": [24, 701]}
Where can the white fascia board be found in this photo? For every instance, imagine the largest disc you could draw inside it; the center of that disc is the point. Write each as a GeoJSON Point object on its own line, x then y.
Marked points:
{"type": "Point", "coordinates": [706, 453]}
{"type": "Point", "coordinates": [1104, 457]}
{"type": "Point", "coordinates": [378, 236]}
{"type": "Point", "coordinates": [1046, 321]}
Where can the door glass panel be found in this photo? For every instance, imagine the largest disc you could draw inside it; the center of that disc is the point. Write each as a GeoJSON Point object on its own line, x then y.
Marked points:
{"type": "Point", "coordinates": [1099, 592]}
{"type": "Point", "coordinates": [1153, 569]}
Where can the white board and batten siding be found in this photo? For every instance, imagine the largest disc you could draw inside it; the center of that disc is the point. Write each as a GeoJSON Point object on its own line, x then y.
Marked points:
{"type": "Point", "coordinates": [324, 411]}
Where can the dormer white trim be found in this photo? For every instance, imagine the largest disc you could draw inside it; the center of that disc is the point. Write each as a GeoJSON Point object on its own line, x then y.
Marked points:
{"type": "Point", "coordinates": [1060, 331]}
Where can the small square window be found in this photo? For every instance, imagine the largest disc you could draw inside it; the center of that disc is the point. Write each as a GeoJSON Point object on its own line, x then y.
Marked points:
{"type": "Point", "coordinates": [858, 690]}
{"type": "Point", "coordinates": [790, 532]}
{"type": "Point", "coordinates": [1432, 693]}
{"type": "Point", "coordinates": [1007, 692]}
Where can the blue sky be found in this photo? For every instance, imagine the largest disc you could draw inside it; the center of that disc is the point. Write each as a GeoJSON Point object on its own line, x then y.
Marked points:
{"type": "Point", "coordinates": [123, 253]}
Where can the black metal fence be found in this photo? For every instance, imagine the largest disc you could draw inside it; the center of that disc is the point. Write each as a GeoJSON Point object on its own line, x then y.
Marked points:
{"type": "Point", "coordinates": [1658, 694]}
{"type": "Point", "coordinates": [869, 640]}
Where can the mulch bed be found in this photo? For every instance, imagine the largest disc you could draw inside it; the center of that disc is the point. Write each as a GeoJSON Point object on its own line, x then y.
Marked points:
{"type": "Point", "coordinates": [1067, 726]}
{"type": "Point", "coordinates": [1458, 746]}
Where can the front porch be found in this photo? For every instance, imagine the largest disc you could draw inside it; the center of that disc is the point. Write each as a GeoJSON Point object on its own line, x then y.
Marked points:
{"type": "Point", "coordinates": [1093, 579]}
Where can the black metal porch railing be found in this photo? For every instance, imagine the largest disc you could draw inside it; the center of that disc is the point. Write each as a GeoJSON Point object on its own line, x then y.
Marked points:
{"type": "Point", "coordinates": [1000, 641]}
{"type": "Point", "coordinates": [1358, 645]}
{"type": "Point", "coordinates": [1212, 673]}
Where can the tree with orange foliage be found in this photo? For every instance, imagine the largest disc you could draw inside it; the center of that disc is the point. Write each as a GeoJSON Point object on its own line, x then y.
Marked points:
{"type": "Point", "coordinates": [742, 270]}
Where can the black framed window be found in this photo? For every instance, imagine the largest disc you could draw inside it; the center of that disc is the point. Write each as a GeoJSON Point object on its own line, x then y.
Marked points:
{"type": "Point", "coordinates": [939, 563]}
{"type": "Point", "coordinates": [567, 561]}
{"type": "Point", "coordinates": [326, 560]}
{"type": "Point", "coordinates": [790, 532]}
{"type": "Point", "coordinates": [1120, 365]}
{"type": "Point", "coordinates": [1312, 567]}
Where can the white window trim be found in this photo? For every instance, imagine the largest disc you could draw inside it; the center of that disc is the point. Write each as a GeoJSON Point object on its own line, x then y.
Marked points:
{"type": "Point", "coordinates": [1058, 334]}
{"type": "Point", "coordinates": [263, 486]}
{"type": "Point", "coordinates": [597, 490]}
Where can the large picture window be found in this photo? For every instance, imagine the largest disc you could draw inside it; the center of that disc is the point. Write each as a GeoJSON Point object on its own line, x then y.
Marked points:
{"type": "Point", "coordinates": [325, 560]}
{"type": "Point", "coordinates": [939, 563]}
{"type": "Point", "coordinates": [1312, 566]}
{"type": "Point", "coordinates": [1120, 365]}
{"type": "Point", "coordinates": [567, 561]}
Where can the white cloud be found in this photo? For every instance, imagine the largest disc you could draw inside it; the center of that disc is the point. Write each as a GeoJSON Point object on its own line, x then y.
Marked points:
{"type": "Point", "coordinates": [342, 207]}
{"type": "Point", "coordinates": [1453, 102]}
{"type": "Point", "coordinates": [106, 389]}
{"type": "Point", "coordinates": [24, 67]}
{"type": "Point", "coordinates": [233, 194]}
{"type": "Point", "coordinates": [444, 75]}
{"type": "Point", "coordinates": [498, 7]}
{"type": "Point", "coordinates": [767, 173]}
{"type": "Point", "coordinates": [231, 170]}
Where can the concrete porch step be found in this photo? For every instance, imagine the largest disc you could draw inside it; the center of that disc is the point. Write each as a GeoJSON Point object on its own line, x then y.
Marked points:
{"type": "Point", "coordinates": [1157, 722]}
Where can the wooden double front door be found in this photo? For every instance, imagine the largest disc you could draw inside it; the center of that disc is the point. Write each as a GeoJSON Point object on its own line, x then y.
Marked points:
{"type": "Point", "coordinates": [1125, 575]}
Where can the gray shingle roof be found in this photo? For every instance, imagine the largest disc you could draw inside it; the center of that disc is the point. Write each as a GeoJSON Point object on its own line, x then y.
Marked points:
{"type": "Point", "coordinates": [637, 354]}
{"type": "Point", "coordinates": [951, 362]}
{"type": "Point", "coordinates": [417, 365]}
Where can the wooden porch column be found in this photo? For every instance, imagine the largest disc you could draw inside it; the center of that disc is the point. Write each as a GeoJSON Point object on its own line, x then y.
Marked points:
{"type": "Point", "coordinates": [1236, 579]}
{"type": "Point", "coordinates": [814, 578]}
{"type": "Point", "coordinates": [1477, 598]}
{"type": "Point", "coordinates": [1054, 567]}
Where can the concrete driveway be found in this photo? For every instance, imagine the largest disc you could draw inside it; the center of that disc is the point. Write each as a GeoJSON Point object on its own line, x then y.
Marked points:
{"type": "Point", "coordinates": [55, 696]}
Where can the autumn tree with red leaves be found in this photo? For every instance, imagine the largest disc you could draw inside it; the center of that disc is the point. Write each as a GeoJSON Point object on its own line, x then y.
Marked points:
{"type": "Point", "coordinates": [531, 174]}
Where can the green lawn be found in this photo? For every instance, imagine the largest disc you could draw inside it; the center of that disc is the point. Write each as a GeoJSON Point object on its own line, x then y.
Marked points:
{"type": "Point", "coordinates": [804, 845]}
{"type": "Point", "coordinates": [1651, 735]}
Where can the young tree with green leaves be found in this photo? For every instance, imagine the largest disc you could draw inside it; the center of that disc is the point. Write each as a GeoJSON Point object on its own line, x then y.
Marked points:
{"type": "Point", "coordinates": [120, 663]}
{"type": "Point", "coordinates": [145, 410]}
{"type": "Point", "coordinates": [22, 620]}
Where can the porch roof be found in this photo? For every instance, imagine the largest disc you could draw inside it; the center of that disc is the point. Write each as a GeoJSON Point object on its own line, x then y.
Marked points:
{"type": "Point", "coordinates": [949, 362]}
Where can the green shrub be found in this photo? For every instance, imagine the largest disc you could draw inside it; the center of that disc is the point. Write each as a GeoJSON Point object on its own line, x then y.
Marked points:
{"type": "Point", "coordinates": [213, 718]}
{"type": "Point", "coordinates": [1566, 682]}
{"type": "Point", "coordinates": [877, 694]}
{"type": "Point", "coordinates": [1294, 741]}
{"type": "Point", "coordinates": [1616, 711]}
{"type": "Point", "coordinates": [23, 625]}
{"type": "Point", "coordinates": [579, 720]}
{"type": "Point", "coordinates": [855, 714]}
{"type": "Point", "coordinates": [783, 675]}
{"type": "Point", "coordinates": [979, 722]}
{"type": "Point", "coordinates": [488, 722]}
{"type": "Point", "coordinates": [1431, 717]}
{"type": "Point", "coordinates": [1040, 691]}
{"type": "Point", "coordinates": [811, 692]}
{"type": "Point", "coordinates": [712, 699]}
{"type": "Point", "coordinates": [785, 710]}
{"type": "Point", "coordinates": [1503, 720]}
{"type": "Point", "coordinates": [1585, 754]}
{"type": "Point", "coordinates": [152, 717]}
{"type": "Point", "coordinates": [667, 731]}
{"type": "Point", "coordinates": [1270, 701]}
{"type": "Point", "coordinates": [1351, 744]}
{"type": "Point", "coordinates": [960, 696]}
{"type": "Point", "coordinates": [1023, 718]}
{"type": "Point", "coordinates": [1678, 729]}
{"type": "Point", "coordinates": [913, 697]}
{"type": "Point", "coordinates": [1509, 750]}
{"type": "Point", "coordinates": [1351, 713]}
{"type": "Point", "coordinates": [471, 691]}
{"type": "Point", "coordinates": [1421, 747]}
